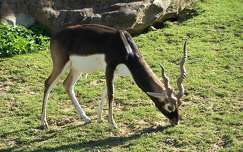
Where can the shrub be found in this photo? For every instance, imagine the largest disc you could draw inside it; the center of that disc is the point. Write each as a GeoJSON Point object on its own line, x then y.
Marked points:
{"type": "Point", "coordinates": [20, 40]}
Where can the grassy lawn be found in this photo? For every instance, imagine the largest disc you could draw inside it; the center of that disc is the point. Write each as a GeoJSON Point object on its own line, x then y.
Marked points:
{"type": "Point", "coordinates": [212, 112]}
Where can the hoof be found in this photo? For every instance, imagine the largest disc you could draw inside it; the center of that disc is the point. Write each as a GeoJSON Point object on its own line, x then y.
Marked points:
{"type": "Point", "coordinates": [99, 120]}
{"type": "Point", "coordinates": [44, 126]}
{"type": "Point", "coordinates": [113, 126]}
{"type": "Point", "coordinates": [87, 120]}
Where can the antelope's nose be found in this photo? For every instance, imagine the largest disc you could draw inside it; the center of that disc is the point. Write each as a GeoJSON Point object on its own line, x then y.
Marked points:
{"type": "Point", "coordinates": [174, 121]}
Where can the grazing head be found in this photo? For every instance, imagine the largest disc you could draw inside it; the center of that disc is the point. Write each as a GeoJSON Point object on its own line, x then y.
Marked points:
{"type": "Point", "coordinates": [168, 101]}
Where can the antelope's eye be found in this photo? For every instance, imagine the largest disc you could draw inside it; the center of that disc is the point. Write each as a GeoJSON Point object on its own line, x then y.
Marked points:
{"type": "Point", "coordinates": [169, 107]}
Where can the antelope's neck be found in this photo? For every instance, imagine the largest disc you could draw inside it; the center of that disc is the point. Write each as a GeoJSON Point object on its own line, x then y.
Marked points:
{"type": "Point", "coordinates": [143, 75]}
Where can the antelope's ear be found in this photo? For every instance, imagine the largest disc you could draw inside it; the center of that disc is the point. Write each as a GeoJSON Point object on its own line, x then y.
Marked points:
{"type": "Point", "coordinates": [161, 95]}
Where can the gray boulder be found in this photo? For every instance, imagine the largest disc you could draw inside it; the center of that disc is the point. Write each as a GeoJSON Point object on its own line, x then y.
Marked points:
{"type": "Point", "coordinates": [132, 15]}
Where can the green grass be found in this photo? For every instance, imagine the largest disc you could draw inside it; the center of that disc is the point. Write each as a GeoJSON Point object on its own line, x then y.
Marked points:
{"type": "Point", "coordinates": [212, 112]}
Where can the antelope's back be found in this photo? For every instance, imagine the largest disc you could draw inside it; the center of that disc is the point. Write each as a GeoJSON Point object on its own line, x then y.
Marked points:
{"type": "Point", "coordinates": [88, 39]}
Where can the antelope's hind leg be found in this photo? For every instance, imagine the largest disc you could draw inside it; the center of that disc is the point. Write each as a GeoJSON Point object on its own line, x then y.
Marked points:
{"type": "Point", "coordinates": [69, 84]}
{"type": "Point", "coordinates": [49, 84]}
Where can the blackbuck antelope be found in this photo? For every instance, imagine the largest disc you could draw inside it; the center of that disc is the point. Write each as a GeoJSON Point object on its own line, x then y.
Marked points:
{"type": "Point", "coordinates": [89, 48]}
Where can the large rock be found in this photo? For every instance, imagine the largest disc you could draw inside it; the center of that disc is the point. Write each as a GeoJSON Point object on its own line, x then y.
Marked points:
{"type": "Point", "coordinates": [132, 15]}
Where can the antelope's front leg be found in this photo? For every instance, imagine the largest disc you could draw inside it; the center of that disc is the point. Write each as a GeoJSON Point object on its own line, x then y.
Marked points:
{"type": "Point", "coordinates": [110, 88]}
{"type": "Point", "coordinates": [100, 105]}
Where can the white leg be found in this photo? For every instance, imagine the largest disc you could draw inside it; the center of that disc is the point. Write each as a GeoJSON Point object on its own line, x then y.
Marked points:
{"type": "Point", "coordinates": [111, 118]}
{"type": "Point", "coordinates": [44, 123]}
{"type": "Point", "coordinates": [69, 86]}
{"type": "Point", "coordinates": [100, 105]}
{"type": "Point", "coordinates": [49, 84]}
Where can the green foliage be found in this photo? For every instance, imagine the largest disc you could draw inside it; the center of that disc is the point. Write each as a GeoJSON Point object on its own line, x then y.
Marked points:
{"type": "Point", "coordinates": [19, 40]}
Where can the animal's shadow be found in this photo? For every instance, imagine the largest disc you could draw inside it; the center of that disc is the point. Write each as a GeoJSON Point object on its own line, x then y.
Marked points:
{"type": "Point", "coordinates": [108, 142]}
{"type": "Point", "coordinates": [105, 143]}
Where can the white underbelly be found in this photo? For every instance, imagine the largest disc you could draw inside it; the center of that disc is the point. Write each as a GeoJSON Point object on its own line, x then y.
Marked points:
{"type": "Point", "coordinates": [94, 63]}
